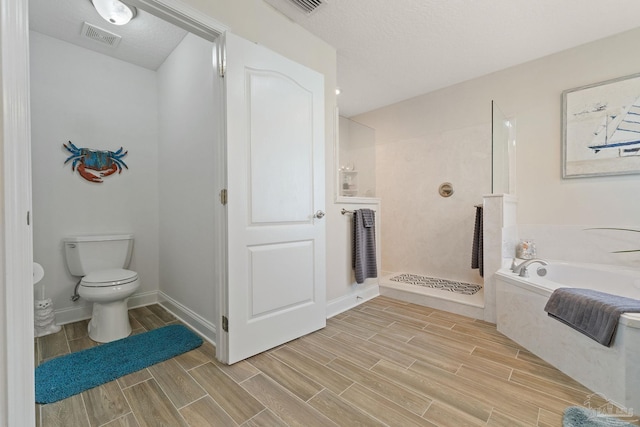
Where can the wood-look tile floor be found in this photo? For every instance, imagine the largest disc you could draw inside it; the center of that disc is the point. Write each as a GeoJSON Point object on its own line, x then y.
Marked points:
{"type": "Point", "coordinates": [385, 362]}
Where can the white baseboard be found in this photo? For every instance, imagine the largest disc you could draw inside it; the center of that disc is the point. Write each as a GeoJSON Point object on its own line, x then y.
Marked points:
{"type": "Point", "coordinates": [140, 300]}
{"type": "Point", "coordinates": [206, 328]}
{"type": "Point", "coordinates": [356, 297]}
{"type": "Point", "coordinates": [188, 316]}
{"type": "Point", "coordinates": [73, 314]}
{"type": "Point", "coordinates": [84, 308]}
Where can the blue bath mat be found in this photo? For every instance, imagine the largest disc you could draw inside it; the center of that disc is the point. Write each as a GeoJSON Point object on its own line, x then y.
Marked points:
{"type": "Point", "coordinates": [74, 373]}
{"type": "Point", "coordinates": [575, 416]}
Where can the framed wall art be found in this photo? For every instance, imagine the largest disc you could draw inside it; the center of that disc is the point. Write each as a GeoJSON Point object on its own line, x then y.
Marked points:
{"type": "Point", "coordinates": [601, 128]}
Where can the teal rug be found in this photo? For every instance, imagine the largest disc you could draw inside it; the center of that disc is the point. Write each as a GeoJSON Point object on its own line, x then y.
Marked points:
{"type": "Point", "coordinates": [74, 373]}
{"type": "Point", "coordinates": [575, 416]}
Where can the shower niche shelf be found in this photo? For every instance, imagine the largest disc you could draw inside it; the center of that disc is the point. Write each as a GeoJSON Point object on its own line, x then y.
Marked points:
{"type": "Point", "coordinates": [348, 183]}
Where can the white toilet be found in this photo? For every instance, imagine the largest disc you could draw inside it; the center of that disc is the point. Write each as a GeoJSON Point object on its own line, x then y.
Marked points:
{"type": "Point", "coordinates": [102, 260]}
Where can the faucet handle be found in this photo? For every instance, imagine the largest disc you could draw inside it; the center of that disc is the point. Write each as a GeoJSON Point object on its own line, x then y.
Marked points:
{"type": "Point", "coordinates": [522, 268]}
{"type": "Point", "coordinates": [513, 264]}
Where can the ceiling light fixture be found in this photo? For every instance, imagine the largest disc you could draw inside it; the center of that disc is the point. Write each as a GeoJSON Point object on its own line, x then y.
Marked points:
{"type": "Point", "coordinates": [338, 91]}
{"type": "Point", "coordinates": [115, 11]}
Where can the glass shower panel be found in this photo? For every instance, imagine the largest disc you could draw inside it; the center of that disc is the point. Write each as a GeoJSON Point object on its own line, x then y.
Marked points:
{"type": "Point", "coordinates": [356, 159]}
{"type": "Point", "coordinates": [503, 148]}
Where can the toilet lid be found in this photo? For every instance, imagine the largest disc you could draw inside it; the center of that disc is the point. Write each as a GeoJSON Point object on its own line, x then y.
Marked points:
{"type": "Point", "coordinates": [116, 276]}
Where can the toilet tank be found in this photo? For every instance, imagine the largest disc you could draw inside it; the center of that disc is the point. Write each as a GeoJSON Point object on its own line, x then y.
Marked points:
{"type": "Point", "coordinates": [85, 254]}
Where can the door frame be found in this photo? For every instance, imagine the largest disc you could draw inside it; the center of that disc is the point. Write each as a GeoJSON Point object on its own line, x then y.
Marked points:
{"type": "Point", "coordinates": [16, 292]}
{"type": "Point", "coordinates": [17, 390]}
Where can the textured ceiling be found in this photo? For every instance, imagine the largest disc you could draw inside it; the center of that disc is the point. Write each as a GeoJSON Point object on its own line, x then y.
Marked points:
{"type": "Point", "coordinates": [388, 50]}
{"type": "Point", "coordinates": [146, 40]}
{"type": "Point", "coordinates": [391, 50]}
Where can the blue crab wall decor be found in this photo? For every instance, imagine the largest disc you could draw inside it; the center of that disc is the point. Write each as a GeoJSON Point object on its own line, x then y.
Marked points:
{"type": "Point", "coordinates": [87, 160]}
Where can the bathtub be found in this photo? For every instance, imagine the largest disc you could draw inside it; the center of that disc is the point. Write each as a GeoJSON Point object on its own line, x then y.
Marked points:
{"type": "Point", "coordinates": [613, 372]}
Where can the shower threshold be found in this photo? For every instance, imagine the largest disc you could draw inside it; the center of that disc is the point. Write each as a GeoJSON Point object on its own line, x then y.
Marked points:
{"type": "Point", "coordinates": [434, 297]}
{"type": "Point", "coordinates": [436, 283]}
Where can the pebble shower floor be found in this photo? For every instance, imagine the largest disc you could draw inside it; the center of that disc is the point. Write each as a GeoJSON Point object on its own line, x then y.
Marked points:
{"type": "Point", "coordinates": [432, 282]}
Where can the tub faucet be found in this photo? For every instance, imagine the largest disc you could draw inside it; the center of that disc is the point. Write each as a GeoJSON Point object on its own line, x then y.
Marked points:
{"type": "Point", "coordinates": [521, 269]}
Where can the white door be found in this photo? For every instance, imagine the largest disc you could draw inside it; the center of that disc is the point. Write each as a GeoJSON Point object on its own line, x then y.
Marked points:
{"type": "Point", "coordinates": [275, 289]}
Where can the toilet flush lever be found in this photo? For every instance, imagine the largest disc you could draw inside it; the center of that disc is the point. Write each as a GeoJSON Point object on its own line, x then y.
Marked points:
{"type": "Point", "coordinates": [319, 214]}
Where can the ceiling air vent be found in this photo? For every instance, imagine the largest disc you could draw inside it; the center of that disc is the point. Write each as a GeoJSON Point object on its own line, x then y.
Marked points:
{"type": "Point", "coordinates": [308, 6]}
{"type": "Point", "coordinates": [98, 34]}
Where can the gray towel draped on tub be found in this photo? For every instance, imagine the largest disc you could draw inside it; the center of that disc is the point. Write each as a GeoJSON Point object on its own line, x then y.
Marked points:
{"type": "Point", "coordinates": [590, 312]}
{"type": "Point", "coordinates": [364, 245]}
{"type": "Point", "coordinates": [477, 254]}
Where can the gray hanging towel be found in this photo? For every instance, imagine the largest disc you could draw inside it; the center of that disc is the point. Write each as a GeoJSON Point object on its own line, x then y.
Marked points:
{"type": "Point", "coordinates": [368, 218]}
{"type": "Point", "coordinates": [477, 254]}
{"type": "Point", "coordinates": [364, 245]}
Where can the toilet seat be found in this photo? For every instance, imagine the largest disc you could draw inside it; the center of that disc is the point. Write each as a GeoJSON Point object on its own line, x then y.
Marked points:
{"type": "Point", "coordinates": [111, 277]}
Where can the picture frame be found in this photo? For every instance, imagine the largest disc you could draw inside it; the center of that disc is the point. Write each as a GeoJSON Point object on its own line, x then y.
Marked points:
{"type": "Point", "coordinates": [601, 128]}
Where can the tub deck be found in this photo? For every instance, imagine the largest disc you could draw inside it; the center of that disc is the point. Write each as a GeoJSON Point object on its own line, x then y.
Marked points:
{"type": "Point", "coordinates": [612, 372]}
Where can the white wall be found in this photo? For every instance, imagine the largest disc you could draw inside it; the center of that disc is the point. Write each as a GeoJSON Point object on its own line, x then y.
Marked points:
{"type": "Point", "coordinates": [342, 290]}
{"type": "Point", "coordinates": [422, 143]}
{"type": "Point", "coordinates": [188, 144]}
{"type": "Point", "coordinates": [101, 103]}
{"type": "Point", "coordinates": [356, 147]}
{"type": "Point", "coordinates": [532, 93]}
{"type": "Point", "coordinates": [412, 132]}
